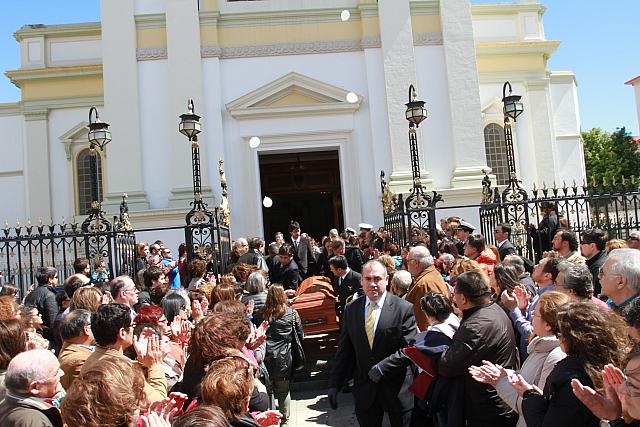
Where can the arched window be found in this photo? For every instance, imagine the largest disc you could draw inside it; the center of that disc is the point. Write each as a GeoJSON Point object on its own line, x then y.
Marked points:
{"type": "Point", "coordinates": [496, 152]}
{"type": "Point", "coordinates": [83, 180]}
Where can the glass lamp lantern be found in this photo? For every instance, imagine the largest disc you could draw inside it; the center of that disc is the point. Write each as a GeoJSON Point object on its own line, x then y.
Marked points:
{"type": "Point", "coordinates": [416, 111]}
{"type": "Point", "coordinates": [512, 105]}
{"type": "Point", "coordinates": [99, 134]}
{"type": "Point", "coordinates": [190, 125]}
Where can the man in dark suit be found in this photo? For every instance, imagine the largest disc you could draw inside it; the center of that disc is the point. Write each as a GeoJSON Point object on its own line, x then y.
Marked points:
{"type": "Point", "coordinates": [375, 328]}
{"type": "Point", "coordinates": [502, 232]}
{"type": "Point", "coordinates": [289, 274]}
{"type": "Point", "coordinates": [346, 282]}
{"type": "Point", "coordinates": [546, 230]}
{"type": "Point", "coordinates": [302, 250]}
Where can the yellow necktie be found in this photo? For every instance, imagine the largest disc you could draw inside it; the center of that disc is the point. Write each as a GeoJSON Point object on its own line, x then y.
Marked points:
{"type": "Point", "coordinates": [368, 324]}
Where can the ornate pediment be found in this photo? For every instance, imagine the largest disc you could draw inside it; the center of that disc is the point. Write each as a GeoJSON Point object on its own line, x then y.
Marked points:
{"type": "Point", "coordinates": [493, 109]}
{"type": "Point", "coordinates": [292, 95]}
{"type": "Point", "coordinates": [75, 135]}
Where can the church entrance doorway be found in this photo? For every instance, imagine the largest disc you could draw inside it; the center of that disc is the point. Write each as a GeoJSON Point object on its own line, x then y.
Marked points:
{"type": "Point", "coordinates": [304, 187]}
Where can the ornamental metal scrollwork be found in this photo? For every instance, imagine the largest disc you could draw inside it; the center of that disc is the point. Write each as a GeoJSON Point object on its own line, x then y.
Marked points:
{"type": "Point", "coordinates": [225, 213]}
{"type": "Point", "coordinates": [389, 198]}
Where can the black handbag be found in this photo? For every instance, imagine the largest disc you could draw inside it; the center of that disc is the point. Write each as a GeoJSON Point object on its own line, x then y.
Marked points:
{"type": "Point", "coordinates": [297, 352]}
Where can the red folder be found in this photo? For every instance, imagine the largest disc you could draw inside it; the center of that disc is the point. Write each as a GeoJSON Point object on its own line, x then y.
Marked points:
{"type": "Point", "coordinates": [422, 382]}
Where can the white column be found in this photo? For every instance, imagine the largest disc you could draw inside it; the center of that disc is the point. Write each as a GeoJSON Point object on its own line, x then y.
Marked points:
{"type": "Point", "coordinates": [185, 81]}
{"type": "Point", "coordinates": [121, 106]}
{"type": "Point", "coordinates": [541, 128]}
{"type": "Point", "coordinates": [464, 98]}
{"type": "Point", "coordinates": [36, 166]}
{"type": "Point", "coordinates": [398, 61]}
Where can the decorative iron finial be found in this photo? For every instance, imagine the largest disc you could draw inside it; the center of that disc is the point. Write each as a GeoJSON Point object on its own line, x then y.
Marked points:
{"type": "Point", "coordinates": [17, 223]}
{"type": "Point", "coordinates": [225, 213]}
{"type": "Point", "coordinates": [29, 223]}
{"type": "Point", "coordinates": [389, 198]}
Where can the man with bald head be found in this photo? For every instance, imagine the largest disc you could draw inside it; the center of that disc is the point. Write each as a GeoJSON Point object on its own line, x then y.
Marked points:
{"type": "Point", "coordinates": [32, 380]}
{"type": "Point", "coordinates": [375, 329]}
{"type": "Point", "coordinates": [426, 278]}
{"type": "Point", "coordinates": [124, 291]}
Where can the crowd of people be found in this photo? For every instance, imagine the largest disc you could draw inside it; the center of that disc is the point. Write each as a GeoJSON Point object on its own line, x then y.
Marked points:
{"type": "Point", "coordinates": [472, 335]}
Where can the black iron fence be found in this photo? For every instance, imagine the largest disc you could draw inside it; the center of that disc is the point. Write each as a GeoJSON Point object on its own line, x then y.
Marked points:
{"type": "Point", "coordinates": [25, 248]}
{"type": "Point", "coordinates": [611, 206]}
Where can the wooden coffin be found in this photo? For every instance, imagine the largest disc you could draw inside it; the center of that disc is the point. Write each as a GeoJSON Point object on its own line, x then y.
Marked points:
{"type": "Point", "coordinates": [316, 305]}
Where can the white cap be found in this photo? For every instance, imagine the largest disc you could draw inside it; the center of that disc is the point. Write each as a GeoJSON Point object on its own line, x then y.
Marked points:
{"type": "Point", "coordinates": [365, 226]}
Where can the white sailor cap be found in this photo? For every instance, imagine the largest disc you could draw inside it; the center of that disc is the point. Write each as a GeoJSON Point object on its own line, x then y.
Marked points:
{"type": "Point", "coordinates": [466, 226]}
{"type": "Point", "coordinates": [365, 226]}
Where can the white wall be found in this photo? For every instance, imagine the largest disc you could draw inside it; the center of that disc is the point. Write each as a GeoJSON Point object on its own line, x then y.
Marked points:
{"type": "Point", "coordinates": [435, 143]}
{"type": "Point", "coordinates": [12, 186]}
{"type": "Point", "coordinates": [155, 143]}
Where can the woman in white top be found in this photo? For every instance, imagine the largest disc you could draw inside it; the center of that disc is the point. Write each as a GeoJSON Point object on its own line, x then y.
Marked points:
{"type": "Point", "coordinates": [543, 349]}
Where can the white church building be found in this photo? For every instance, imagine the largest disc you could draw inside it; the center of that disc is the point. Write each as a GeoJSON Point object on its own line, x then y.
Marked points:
{"type": "Point", "coordinates": [281, 70]}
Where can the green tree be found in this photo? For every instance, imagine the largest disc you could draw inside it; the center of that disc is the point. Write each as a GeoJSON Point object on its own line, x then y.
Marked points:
{"type": "Point", "coordinates": [610, 155]}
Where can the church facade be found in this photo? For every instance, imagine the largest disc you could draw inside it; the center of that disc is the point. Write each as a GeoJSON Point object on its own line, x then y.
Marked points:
{"type": "Point", "coordinates": [325, 96]}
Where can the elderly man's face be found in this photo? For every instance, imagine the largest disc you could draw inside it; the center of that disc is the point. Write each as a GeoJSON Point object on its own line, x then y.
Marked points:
{"type": "Point", "coordinates": [50, 386]}
{"type": "Point", "coordinates": [374, 280]}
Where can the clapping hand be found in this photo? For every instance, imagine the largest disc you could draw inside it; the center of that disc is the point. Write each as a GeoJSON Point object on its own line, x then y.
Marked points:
{"type": "Point", "coordinates": [148, 348]}
{"type": "Point", "coordinates": [523, 296]}
{"type": "Point", "coordinates": [197, 312]}
{"type": "Point", "coordinates": [509, 300]}
{"type": "Point", "coordinates": [488, 373]}
{"type": "Point", "coordinates": [521, 385]}
{"type": "Point", "coordinates": [250, 306]}
{"type": "Point", "coordinates": [609, 406]}
{"type": "Point", "coordinates": [180, 330]}
{"type": "Point", "coordinates": [268, 418]}
{"type": "Point", "coordinates": [107, 298]}
{"type": "Point", "coordinates": [258, 336]}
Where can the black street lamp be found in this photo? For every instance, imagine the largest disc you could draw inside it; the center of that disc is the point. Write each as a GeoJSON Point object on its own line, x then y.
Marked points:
{"type": "Point", "coordinates": [99, 136]}
{"type": "Point", "coordinates": [512, 108]}
{"type": "Point", "coordinates": [415, 114]}
{"type": "Point", "coordinates": [190, 127]}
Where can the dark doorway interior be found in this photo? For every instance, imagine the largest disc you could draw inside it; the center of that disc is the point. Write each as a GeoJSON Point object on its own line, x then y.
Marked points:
{"type": "Point", "coordinates": [304, 187]}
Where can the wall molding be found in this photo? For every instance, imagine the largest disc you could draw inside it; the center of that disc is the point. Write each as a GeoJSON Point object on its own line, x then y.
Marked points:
{"type": "Point", "coordinates": [427, 39]}
{"type": "Point", "coordinates": [151, 53]}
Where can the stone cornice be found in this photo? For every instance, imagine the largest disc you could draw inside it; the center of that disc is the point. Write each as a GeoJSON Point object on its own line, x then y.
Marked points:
{"type": "Point", "coordinates": [282, 17]}
{"type": "Point", "coordinates": [10, 109]}
{"type": "Point", "coordinates": [152, 20]}
{"type": "Point", "coordinates": [64, 30]}
{"type": "Point", "coordinates": [506, 8]}
{"type": "Point", "coordinates": [425, 7]}
{"type": "Point", "coordinates": [35, 115]}
{"type": "Point", "coordinates": [64, 103]}
{"type": "Point", "coordinates": [519, 47]}
{"type": "Point", "coordinates": [17, 76]}
{"type": "Point", "coordinates": [151, 53]}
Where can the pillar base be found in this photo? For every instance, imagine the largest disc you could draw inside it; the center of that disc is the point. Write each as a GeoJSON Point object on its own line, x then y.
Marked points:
{"type": "Point", "coordinates": [182, 197]}
{"type": "Point", "coordinates": [470, 177]}
{"type": "Point", "coordinates": [402, 182]}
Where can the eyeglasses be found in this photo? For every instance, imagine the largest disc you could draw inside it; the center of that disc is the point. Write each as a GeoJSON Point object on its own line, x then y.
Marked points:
{"type": "Point", "coordinates": [602, 273]}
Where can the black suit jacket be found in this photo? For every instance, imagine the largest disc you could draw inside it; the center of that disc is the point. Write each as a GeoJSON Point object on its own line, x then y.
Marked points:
{"type": "Point", "coordinates": [396, 328]}
{"type": "Point", "coordinates": [507, 248]}
{"type": "Point", "coordinates": [350, 285]}
{"type": "Point", "coordinates": [289, 275]}
{"type": "Point", "coordinates": [303, 256]}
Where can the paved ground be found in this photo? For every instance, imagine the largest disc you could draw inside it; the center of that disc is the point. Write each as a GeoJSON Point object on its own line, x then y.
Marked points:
{"type": "Point", "coordinates": [309, 404]}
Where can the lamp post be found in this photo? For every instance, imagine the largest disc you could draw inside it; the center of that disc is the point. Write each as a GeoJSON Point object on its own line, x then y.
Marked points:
{"type": "Point", "coordinates": [512, 108]}
{"type": "Point", "coordinates": [99, 136]}
{"type": "Point", "coordinates": [417, 199]}
{"type": "Point", "coordinates": [190, 127]}
{"type": "Point", "coordinates": [415, 114]}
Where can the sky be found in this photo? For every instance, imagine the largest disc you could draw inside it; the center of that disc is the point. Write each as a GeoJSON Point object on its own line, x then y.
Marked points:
{"type": "Point", "coordinates": [599, 44]}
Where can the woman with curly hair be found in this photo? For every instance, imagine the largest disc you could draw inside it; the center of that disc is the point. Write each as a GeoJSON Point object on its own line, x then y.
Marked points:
{"type": "Point", "coordinates": [217, 335]}
{"type": "Point", "coordinates": [107, 394]}
{"type": "Point", "coordinates": [592, 338]}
